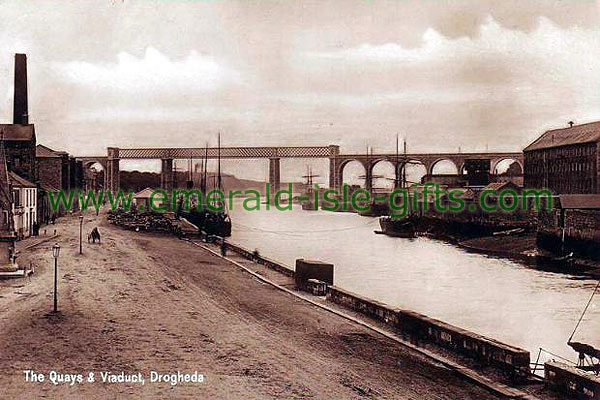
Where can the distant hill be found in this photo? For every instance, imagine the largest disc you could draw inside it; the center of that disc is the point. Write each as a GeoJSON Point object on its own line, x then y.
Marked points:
{"type": "Point", "coordinates": [136, 181]}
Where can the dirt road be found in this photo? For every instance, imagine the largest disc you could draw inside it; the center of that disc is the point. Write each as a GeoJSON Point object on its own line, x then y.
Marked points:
{"type": "Point", "coordinates": [141, 303]}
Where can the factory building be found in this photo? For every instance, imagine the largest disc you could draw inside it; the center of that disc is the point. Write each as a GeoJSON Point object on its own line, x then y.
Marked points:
{"type": "Point", "coordinates": [565, 161]}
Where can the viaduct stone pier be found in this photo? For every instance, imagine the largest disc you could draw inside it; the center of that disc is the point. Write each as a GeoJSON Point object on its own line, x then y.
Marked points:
{"type": "Point", "coordinates": [337, 161]}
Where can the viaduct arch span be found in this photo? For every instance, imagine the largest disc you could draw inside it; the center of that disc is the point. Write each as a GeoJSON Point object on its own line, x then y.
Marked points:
{"type": "Point", "coordinates": [274, 154]}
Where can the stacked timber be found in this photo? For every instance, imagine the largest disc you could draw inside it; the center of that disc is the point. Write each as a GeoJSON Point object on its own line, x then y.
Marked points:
{"type": "Point", "coordinates": [144, 221]}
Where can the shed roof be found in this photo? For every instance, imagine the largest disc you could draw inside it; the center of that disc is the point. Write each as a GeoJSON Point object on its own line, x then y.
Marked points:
{"type": "Point", "coordinates": [18, 181]}
{"type": "Point", "coordinates": [143, 194]}
{"type": "Point", "coordinates": [498, 186]}
{"type": "Point", "coordinates": [467, 193]}
{"type": "Point", "coordinates": [46, 152]}
{"type": "Point", "coordinates": [49, 188]}
{"type": "Point", "coordinates": [585, 201]}
{"type": "Point", "coordinates": [577, 134]}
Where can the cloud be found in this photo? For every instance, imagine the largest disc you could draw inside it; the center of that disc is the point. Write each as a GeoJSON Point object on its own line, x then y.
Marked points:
{"type": "Point", "coordinates": [502, 86]}
{"type": "Point", "coordinates": [546, 39]}
{"type": "Point", "coordinates": [153, 72]}
{"type": "Point", "coordinates": [498, 56]}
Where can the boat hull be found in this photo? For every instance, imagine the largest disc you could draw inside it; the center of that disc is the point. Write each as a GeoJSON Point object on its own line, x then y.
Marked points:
{"type": "Point", "coordinates": [209, 222]}
{"type": "Point", "coordinates": [308, 206]}
{"type": "Point", "coordinates": [397, 227]}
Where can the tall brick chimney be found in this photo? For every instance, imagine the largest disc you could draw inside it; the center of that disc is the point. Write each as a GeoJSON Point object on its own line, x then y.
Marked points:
{"type": "Point", "coordinates": [20, 113]}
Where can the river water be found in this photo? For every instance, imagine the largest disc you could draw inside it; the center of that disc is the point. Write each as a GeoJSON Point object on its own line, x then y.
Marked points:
{"type": "Point", "coordinates": [502, 299]}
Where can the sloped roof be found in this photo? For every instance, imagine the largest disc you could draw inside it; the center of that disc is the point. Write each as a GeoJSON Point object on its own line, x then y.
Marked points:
{"type": "Point", "coordinates": [45, 152]}
{"type": "Point", "coordinates": [49, 188]}
{"type": "Point", "coordinates": [497, 186]}
{"type": "Point", "coordinates": [584, 201]}
{"type": "Point", "coordinates": [18, 181]}
{"type": "Point", "coordinates": [143, 194]}
{"type": "Point", "coordinates": [467, 193]}
{"type": "Point", "coordinates": [17, 132]}
{"type": "Point", "coordinates": [585, 133]}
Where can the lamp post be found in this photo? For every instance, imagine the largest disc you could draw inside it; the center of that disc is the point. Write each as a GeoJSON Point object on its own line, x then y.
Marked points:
{"type": "Point", "coordinates": [55, 253]}
{"type": "Point", "coordinates": [80, 230]}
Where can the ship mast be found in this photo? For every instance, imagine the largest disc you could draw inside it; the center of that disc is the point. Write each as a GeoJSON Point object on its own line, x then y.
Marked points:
{"type": "Point", "coordinates": [204, 168]}
{"type": "Point", "coordinates": [219, 162]}
{"type": "Point", "coordinates": [404, 183]}
{"type": "Point", "coordinates": [397, 177]}
{"type": "Point", "coordinates": [190, 182]}
{"type": "Point", "coordinates": [309, 178]}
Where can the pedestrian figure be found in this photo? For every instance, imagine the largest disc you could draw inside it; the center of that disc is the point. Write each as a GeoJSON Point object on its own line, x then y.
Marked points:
{"type": "Point", "coordinates": [223, 247]}
{"type": "Point", "coordinates": [94, 235]}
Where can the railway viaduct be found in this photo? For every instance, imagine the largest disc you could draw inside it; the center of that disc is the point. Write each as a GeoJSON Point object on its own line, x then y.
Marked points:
{"type": "Point", "coordinates": [337, 161]}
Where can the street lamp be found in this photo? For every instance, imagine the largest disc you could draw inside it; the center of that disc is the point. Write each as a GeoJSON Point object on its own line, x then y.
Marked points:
{"type": "Point", "coordinates": [80, 229]}
{"type": "Point", "coordinates": [55, 253]}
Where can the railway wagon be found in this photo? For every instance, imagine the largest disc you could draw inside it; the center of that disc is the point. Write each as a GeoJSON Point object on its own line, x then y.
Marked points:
{"type": "Point", "coordinates": [512, 360]}
{"type": "Point", "coordinates": [374, 309]}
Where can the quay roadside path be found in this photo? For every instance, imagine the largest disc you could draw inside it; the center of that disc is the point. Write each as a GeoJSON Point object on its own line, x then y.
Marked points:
{"type": "Point", "coordinates": [146, 302]}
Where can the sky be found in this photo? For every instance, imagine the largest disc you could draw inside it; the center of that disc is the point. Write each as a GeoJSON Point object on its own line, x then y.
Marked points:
{"type": "Point", "coordinates": [442, 74]}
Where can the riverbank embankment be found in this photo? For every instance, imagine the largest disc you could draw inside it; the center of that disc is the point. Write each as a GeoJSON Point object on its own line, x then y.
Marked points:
{"type": "Point", "coordinates": [485, 371]}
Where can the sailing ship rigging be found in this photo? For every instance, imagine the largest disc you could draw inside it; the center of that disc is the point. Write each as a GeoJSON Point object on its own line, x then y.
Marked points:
{"type": "Point", "coordinates": [392, 225]}
{"type": "Point", "coordinates": [308, 203]}
{"type": "Point", "coordinates": [213, 217]}
{"type": "Point", "coordinates": [375, 208]}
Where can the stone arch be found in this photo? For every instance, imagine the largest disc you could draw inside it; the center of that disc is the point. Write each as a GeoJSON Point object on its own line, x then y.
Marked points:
{"type": "Point", "coordinates": [500, 159]}
{"type": "Point", "coordinates": [93, 178]}
{"type": "Point", "coordinates": [89, 163]}
{"type": "Point", "coordinates": [437, 162]}
{"type": "Point", "coordinates": [415, 170]}
{"type": "Point", "coordinates": [342, 166]}
{"type": "Point", "coordinates": [386, 180]}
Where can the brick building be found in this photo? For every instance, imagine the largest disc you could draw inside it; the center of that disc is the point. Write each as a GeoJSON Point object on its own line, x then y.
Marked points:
{"type": "Point", "coordinates": [53, 167]}
{"type": "Point", "coordinates": [19, 137]}
{"type": "Point", "coordinates": [19, 147]}
{"type": "Point", "coordinates": [572, 225]}
{"type": "Point", "coordinates": [57, 171]}
{"type": "Point", "coordinates": [564, 160]}
{"type": "Point", "coordinates": [47, 169]}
